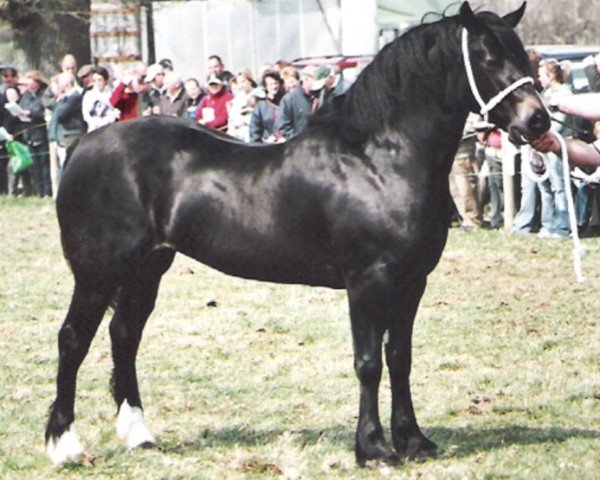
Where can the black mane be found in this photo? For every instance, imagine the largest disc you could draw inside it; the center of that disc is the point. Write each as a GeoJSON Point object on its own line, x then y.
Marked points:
{"type": "Point", "coordinates": [420, 69]}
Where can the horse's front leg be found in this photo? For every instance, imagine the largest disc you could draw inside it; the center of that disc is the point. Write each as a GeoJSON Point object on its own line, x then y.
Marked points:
{"type": "Point", "coordinates": [408, 439]}
{"type": "Point", "coordinates": [368, 326]}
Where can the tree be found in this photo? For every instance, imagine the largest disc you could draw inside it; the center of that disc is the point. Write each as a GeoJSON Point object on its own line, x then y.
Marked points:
{"type": "Point", "coordinates": [44, 30]}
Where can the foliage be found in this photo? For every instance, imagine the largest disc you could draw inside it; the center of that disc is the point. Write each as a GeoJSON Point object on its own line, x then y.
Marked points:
{"type": "Point", "coordinates": [43, 31]}
{"type": "Point", "coordinates": [559, 21]}
{"type": "Point", "coordinates": [506, 375]}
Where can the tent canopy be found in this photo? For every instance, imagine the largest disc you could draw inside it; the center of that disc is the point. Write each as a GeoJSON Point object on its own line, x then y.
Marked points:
{"type": "Point", "coordinates": [409, 12]}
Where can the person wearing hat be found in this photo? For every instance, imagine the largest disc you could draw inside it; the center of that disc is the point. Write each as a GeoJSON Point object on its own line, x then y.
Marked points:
{"type": "Point", "coordinates": [265, 116]}
{"type": "Point", "coordinates": [84, 77]}
{"type": "Point", "coordinates": [298, 104]}
{"type": "Point", "coordinates": [328, 84]}
{"type": "Point", "coordinates": [36, 133]}
{"type": "Point", "coordinates": [212, 109]}
{"type": "Point", "coordinates": [155, 76]}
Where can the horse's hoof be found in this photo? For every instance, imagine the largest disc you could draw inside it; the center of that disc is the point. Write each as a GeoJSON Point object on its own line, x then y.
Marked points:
{"type": "Point", "coordinates": [421, 447]}
{"type": "Point", "coordinates": [66, 449]}
{"type": "Point", "coordinates": [131, 428]}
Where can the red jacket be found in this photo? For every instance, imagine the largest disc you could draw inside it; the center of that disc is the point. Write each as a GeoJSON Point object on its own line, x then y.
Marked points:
{"type": "Point", "coordinates": [126, 102]}
{"type": "Point", "coordinates": [218, 103]}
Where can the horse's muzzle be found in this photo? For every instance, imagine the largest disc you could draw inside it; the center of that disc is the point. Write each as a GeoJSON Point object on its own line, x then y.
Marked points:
{"type": "Point", "coordinates": [535, 125]}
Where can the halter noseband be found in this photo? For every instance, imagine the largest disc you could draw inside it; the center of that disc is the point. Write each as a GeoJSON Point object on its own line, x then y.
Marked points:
{"type": "Point", "coordinates": [486, 108]}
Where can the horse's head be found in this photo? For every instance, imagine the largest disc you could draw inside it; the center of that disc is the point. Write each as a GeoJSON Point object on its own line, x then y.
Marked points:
{"type": "Point", "coordinates": [500, 74]}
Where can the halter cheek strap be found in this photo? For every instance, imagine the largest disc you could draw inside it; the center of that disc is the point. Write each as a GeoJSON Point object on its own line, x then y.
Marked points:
{"type": "Point", "coordinates": [486, 108]}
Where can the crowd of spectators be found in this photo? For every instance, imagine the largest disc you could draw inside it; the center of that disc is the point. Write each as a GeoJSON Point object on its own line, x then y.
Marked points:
{"type": "Point", "coordinates": [269, 108]}
{"type": "Point", "coordinates": [540, 190]}
{"type": "Point", "coordinates": [273, 107]}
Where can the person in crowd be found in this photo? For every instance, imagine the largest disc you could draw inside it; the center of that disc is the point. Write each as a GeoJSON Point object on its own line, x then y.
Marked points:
{"type": "Point", "coordinates": [69, 63]}
{"type": "Point", "coordinates": [265, 116]}
{"type": "Point", "coordinates": [167, 65]}
{"type": "Point", "coordinates": [491, 140]}
{"type": "Point", "coordinates": [216, 68]}
{"type": "Point", "coordinates": [96, 107]}
{"type": "Point", "coordinates": [240, 111]}
{"type": "Point", "coordinates": [10, 78]}
{"type": "Point", "coordinates": [174, 100]}
{"type": "Point", "coordinates": [290, 77]}
{"type": "Point", "coordinates": [212, 109]}
{"type": "Point", "coordinates": [329, 84]}
{"type": "Point", "coordinates": [68, 114]}
{"type": "Point", "coordinates": [463, 177]}
{"type": "Point", "coordinates": [84, 77]}
{"type": "Point", "coordinates": [544, 174]}
{"type": "Point", "coordinates": [553, 196]}
{"type": "Point", "coordinates": [298, 104]}
{"type": "Point", "coordinates": [126, 94]}
{"type": "Point", "coordinates": [154, 78]}
{"type": "Point", "coordinates": [194, 94]}
{"type": "Point", "coordinates": [591, 68]}
{"type": "Point", "coordinates": [36, 132]}
{"type": "Point", "coordinates": [15, 126]}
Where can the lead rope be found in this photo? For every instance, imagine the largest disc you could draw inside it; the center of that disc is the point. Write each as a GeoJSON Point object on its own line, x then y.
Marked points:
{"type": "Point", "coordinates": [577, 249]}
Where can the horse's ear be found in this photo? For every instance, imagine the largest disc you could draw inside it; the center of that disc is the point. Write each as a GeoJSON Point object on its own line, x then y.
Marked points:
{"type": "Point", "coordinates": [515, 17]}
{"type": "Point", "coordinates": [466, 16]}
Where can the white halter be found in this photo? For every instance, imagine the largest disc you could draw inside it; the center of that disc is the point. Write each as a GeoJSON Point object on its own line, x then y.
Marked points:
{"type": "Point", "coordinates": [495, 100]}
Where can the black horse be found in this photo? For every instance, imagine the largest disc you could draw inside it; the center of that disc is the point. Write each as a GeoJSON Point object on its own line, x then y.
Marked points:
{"type": "Point", "coordinates": [359, 201]}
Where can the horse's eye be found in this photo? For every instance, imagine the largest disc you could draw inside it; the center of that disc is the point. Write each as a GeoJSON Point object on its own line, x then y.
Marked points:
{"type": "Point", "coordinates": [493, 62]}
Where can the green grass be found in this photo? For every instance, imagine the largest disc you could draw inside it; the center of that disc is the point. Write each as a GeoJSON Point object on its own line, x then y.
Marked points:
{"type": "Point", "coordinates": [506, 374]}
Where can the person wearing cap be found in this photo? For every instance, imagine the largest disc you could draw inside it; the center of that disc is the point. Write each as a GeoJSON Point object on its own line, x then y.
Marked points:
{"type": "Point", "coordinates": [36, 134]}
{"type": "Point", "coordinates": [328, 84]}
{"type": "Point", "coordinates": [298, 104]}
{"type": "Point", "coordinates": [212, 109]}
{"type": "Point", "coordinates": [155, 76]}
{"type": "Point", "coordinates": [264, 120]}
{"type": "Point", "coordinates": [84, 77]}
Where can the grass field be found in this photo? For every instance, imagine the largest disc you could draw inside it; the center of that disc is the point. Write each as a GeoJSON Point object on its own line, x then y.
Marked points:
{"type": "Point", "coordinates": [506, 375]}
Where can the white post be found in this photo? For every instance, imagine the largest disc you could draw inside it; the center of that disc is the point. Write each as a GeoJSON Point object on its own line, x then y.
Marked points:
{"type": "Point", "coordinates": [359, 27]}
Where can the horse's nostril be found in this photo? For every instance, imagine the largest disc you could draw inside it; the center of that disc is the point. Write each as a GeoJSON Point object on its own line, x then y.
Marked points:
{"type": "Point", "coordinates": [539, 122]}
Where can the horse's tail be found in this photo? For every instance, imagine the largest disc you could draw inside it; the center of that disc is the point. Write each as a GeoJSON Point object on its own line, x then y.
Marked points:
{"type": "Point", "coordinates": [70, 149]}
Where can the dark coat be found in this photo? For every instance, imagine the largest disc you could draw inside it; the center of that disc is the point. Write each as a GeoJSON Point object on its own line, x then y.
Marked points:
{"type": "Point", "coordinates": [69, 117]}
{"type": "Point", "coordinates": [295, 108]}
{"type": "Point", "coordinates": [36, 133]}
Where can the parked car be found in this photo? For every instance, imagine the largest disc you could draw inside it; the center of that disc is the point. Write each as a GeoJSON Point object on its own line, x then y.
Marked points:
{"type": "Point", "coordinates": [574, 54]}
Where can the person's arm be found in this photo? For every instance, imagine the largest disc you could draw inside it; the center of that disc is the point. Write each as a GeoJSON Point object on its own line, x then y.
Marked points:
{"type": "Point", "coordinates": [580, 154]}
{"type": "Point", "coordinates": [585, 105]}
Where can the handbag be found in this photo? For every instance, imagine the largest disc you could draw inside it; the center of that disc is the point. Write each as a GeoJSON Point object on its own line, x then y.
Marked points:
{"type": "Point", "coordinates": [20, 157]}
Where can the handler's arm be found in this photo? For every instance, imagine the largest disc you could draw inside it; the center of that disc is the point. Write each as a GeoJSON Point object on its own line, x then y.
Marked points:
{"type": "Point", "coordinates": [580, 154]}
{"type": "Point", "coordinates": [585, 105]}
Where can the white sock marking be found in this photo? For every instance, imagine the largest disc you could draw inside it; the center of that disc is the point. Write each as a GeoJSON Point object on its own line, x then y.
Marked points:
{"type": "Point", "coordinates": [66, 448]}
{"type": "Point", "coordinates": [131, 428]}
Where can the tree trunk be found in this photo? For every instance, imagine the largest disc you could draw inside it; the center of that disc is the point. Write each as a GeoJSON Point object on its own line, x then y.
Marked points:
{"type": "Point", "coordinates": [44, 31]}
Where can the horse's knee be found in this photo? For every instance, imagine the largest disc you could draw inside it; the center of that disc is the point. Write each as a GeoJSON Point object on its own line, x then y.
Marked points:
{"type": "Point", "coordinates": [72, 345]}
{"type": "Point", "coordinates": [368, 369]}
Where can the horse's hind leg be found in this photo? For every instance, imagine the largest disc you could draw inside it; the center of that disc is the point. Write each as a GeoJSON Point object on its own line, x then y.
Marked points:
{"type": "Point", "coordinates": [85, 314]}
{"type": "Point", "coordinates": [408, 439]}
{"type": "Point", "coordinates": [135, 303]}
